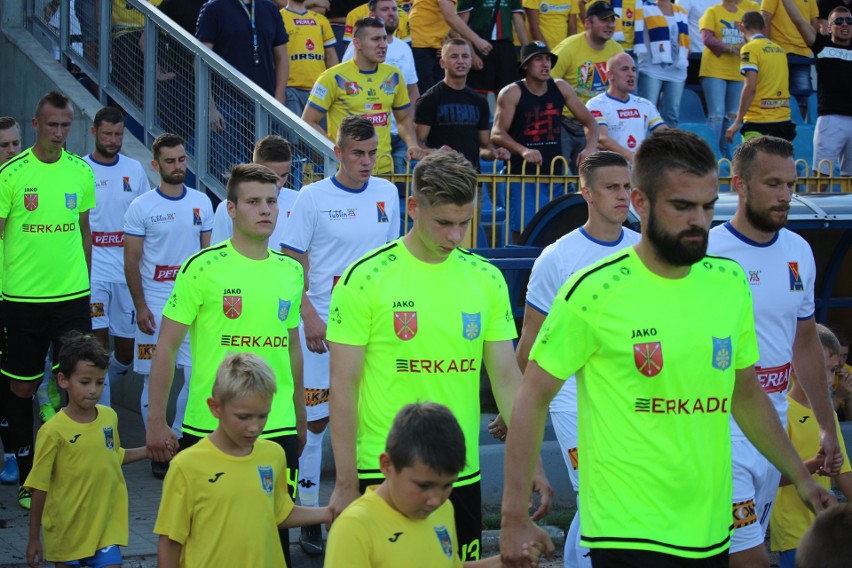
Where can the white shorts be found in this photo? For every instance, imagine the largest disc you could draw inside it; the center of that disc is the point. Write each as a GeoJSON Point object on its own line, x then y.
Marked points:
{"type": "Point", "coordinates": [565, 426]}
{"type": "Point", "coordinates": [111, 307]}
{"type": "Point", "coordinates": [145, 345]}
{"type": "Point", "coordinates": [315, 375]}
{"type": "Point", "coordinates": [755, 486]}
{"type": "Point", "coordinates": [833, 142]}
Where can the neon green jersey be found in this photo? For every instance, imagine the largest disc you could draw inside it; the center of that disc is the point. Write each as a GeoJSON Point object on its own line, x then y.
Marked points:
{"type": "Point", "coordinates": [655, 360]}
{"type": "Point", "coordinates": [424, 326]}
{"type": "Point", "coordinates": [44, 259]}
{"type": "Point", "coordinates": [235, 304]}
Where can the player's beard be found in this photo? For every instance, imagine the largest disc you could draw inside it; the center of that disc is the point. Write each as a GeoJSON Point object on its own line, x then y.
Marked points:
{"type": "Point", "coordinates": [762, 220]}
{"type": "Point", "coordinates": [671, 248]}
{"type": "Point", "coordinates": [102, 150]}
{"type": "Point", "coordinates": [174, 178]}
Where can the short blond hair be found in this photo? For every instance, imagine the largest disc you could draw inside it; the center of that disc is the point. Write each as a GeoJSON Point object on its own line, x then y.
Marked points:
{"type": "Point", "coordinates": [444, 177]}
{"type": "Point", "coordinates": [241, 375]}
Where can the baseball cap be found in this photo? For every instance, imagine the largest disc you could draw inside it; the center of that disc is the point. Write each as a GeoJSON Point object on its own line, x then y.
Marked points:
{"type": "Point", "coordinates": [532, 49]}
{"type": "Point", "coordinates": [601, 9]}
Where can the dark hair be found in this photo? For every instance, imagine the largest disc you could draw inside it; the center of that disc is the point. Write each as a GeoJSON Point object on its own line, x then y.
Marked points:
{"type": "Point", "coordinates": [666, 150]}
{"type": "Point", "coordinates": [166, 140]}
{"type": "Point", "coordinates": [78, 347]}
{"type": "Point", "coordinates": [242, 173]}
{"type": "Point", "coordinates": [272, 148]}
{"type": "Point", "coordinates": [746, 153]}
{"type": "Point", "coordinates": [54, 99]}
{"type": "Point", "coordinates": [355, 127]}
{"type": "Point", "coordinates": [430, 433]}
{"type": "Point", "coordinates": [753, 20]}
{"type": "Point", "coordinates": [444, 177]}
{"type": "Point", "coordinates": [594, 162]}
{"type": "Point", "coordinates": [371, 5]}
{"type": "Point", "coordinates": [826, 544]}
{"type": "Point", "coordinates": [108, 114]}
{"type": "Point", "coordinates": [7, 122]}
{"type": "Point", "coordinates": [371, 22]}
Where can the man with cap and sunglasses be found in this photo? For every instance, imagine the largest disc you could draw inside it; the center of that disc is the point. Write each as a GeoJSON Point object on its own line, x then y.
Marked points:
{"type": "Point", "coordinates": [527, 123]}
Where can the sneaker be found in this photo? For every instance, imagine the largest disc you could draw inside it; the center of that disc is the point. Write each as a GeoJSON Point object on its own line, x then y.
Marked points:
{"type": "Point", "coordinates": [159, 469]}
{"type": "Point", "coordinates": [25, 498]}
{"type": "Point", "coordinates": [46, 412]}
{"type": "Point", "coordinates": [9, 476]}
{"type": "Point", "coordinates": [311, 540]}
{"type": "Point", "coordinates": [53, 393]}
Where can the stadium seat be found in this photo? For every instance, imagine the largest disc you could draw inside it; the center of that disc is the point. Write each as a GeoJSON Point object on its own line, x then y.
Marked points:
{"type": "Point", "coordinates": [812, 109]}
{"type": "Point", "coordinates": [803, 145]}
{"type": "Point", "coordinates": [691, 109]}
{"type": "Point", "coordinates": [701, 129]}
{"type": "Point", "coordinates": [796, 113]}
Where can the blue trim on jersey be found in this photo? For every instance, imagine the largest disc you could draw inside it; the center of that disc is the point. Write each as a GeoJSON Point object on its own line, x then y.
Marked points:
{"type": "Point", "coordinates": [164, 196]}
{"type": "Point", "coordinates": [747, 240]}
{"type": "Point", "coordinates": [286, 246]}
{"type": "Point", "coordinates": [625, 101]}
{"type": "Point", "coordinates": [656, 126]}
{"type": "Point", "coordinates": [347, 189]}
{"type": "Point", "coordinates": [362, 71]}
{"type": "Point", "coordinates": [115, 163]}
{"type": "Point", "coordinates": [806, 318]}
{"type": "Point", "coordinates": [297, 13]}
{"type": "Point", "coordinates": [402, 107]}
{"type": "Point", "coordinates": [134, 235]}
{"type": "Point", "coordinates": [603, 243]}
{"type": "Point", "coordinates": [536, 308]}
{"type": "Point", "coordinates": [316, 106]}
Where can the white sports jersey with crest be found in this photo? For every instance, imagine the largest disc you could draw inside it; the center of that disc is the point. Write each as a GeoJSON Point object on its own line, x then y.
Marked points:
{"type": "Point", "coordinates": [628, 122]}
{"type": "Point", "coordinates": [223, 225]}
{"type": "Point", "coordinates": [781, 275]}
{"type": "Point", "coordinates": [337, 225]}
{"type": "Point", "coordinates": [116, 186]}
{"type": "Point", "coordinates": [171, 227]}
{"type": "Point", "coordinates": [557, 262]}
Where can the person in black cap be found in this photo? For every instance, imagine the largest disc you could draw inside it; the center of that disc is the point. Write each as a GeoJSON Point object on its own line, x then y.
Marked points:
{"type": "Point", "coordinates": [527, 123]}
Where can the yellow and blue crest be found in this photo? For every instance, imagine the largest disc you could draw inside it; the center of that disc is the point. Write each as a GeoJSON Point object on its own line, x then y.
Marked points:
{"type": "Point", "coordinates": [109, 438]}
{"type": "Point", "coordinates": [283, 309]}
{"type": "Point", "coordinates": [445, 540]}
{"type": "Point", "coordinates": [471, 325]}
{"type": "Point", "coordinates": [70, 200]}
{"type": "Point", "coordinates": [722, 353]}
{"type": "Point", "coordinates": [266, 477]}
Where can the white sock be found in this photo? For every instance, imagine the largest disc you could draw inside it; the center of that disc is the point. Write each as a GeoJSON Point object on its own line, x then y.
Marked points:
{"type": "Point", "coordinates": [116, 372]}
{"type": "Point", "coordinates": [180, 403]}
{"type": "Point", "coordinates": [143, 401]}
{"type": "Point", "coordinates": [309, 470]}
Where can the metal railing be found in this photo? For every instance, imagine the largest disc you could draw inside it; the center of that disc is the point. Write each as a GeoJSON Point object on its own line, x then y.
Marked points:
{"type": "Point", "coordinates": [169, 82]}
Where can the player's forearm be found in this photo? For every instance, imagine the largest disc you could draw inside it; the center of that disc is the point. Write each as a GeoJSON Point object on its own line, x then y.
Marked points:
{"type": "Point", "coordinates": [607, 143]}
{"type": "Point", "coordinates": [168, 553]}
{"type": "Point", "coordinates": [134, 454]}
{"type": "Point", "coordinates": [809, 365]}
{"type": "Point", "coordinates": [523, 445]}
{"type": "Point", "coordinates": [36, 511]}
{"type": "Point", "coordinates": [297, 369]}
{"type": "Point", "coordinates": [407, 131]}
{"type": "Point", "coordinates": [133, 276]}
{"type": "Point", "coordinates": [535, 30]}
{"type": "Point", "coordinates": [86, 235]}
{"type": "Point", "coordinates": [520, 27]}
{"type": "Point", "coordinates": [502, 139]}
{"type": "Point", "coordinates": [746, 98]}
{"type": "Point", "coordinates": [305, 516]}
{"type": "Point", "coordinates": [160, 381]}
{"type": "Point", "coordinates": [343, 411]}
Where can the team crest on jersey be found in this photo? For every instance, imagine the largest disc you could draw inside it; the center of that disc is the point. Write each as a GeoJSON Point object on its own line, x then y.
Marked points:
{"type": "Point", "coordinates": [795, 278]}
{"type": "Point", "coordinates": [390, 84]}
{"type": "Point", "coordinates": [196, 216]}
{"type": "Point", "coordinates": [351, 87]}
{"type": "Point", "coordinates": [266, 477]}
{"type": "Point", "coordinates": [648, 358]}
{"type": "Point", "coordinates": [722, 353]}
{"type": "Point", "coordinates": [444, 538]}
{"type": "Point", "coordinates": [232, 306]}
{"type": "Point", "coordinates": [126, 184]}
{"type": "Point", "coordinates": [471, 324]}
{"type": "Point", "coordinates": [70, 200]}
{"type": "Point", "coordinates": [109, 438]}
{"type": "Point", "coordinates": [283, 309]}
{"type": "Point", "coordinates": [31, 201]}
{"type": "Point", "coordinates": [382, 213]}
{"type": "Point", "coordinates": [405, 325]}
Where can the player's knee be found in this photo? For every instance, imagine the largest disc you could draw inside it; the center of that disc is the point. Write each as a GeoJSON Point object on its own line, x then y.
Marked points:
{"type": "Point", "coordinates": [123, 350]}
{"type": "Point", "coordinates": [318, 426]}
{"type": "Point", "coordinates": [102, 335]}
{"type": "Point", "coordinates": [755, 557]}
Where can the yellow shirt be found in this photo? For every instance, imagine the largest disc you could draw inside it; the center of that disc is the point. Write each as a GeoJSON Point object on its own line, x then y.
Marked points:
{"type": "Point", "coordinates": [624, 31]}
{"type": "Point", "coordinates": [782, 28]}
{"type": "Point", "coordinates": [583, 67]}
{"type": "Point", "coordinates": [309, 33]}
{"type": "Point", "coordinates": [428, 26]}
{"type": "Point", "coordinates": [771, 102]}
{"type": "Point", "coordinates": [403, 31]}
{"type": "Point", "coordinates": [723, 24]}
{"type": "Point", "coordinates": [581, 23]}
{"type": "Point", "coordinates": [552, 18]}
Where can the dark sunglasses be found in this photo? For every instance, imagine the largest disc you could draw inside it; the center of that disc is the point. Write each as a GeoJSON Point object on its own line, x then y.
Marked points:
{"type": "Point", "coordinates": [840, 21]}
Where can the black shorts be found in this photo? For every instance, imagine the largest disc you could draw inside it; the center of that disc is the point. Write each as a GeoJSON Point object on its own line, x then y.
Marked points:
{"type": "Point", "coordinates": [622, 558]}
{"type": "Point", "coordinates": [499, 68]}
{"type": "Point", "coordinates": [29, 329]}
{"type": "Point", "coordinates": [467, 506]}
{"type": "Point", "coordinates": [785, 129]}
{"type": "Point", "coordinates": [291, 450]}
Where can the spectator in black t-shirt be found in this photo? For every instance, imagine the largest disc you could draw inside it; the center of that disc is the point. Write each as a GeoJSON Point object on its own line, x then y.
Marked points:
{"type": "Point", "coordinates": [833, 135]}
{"type": "Point", "coordinates": [454, 115]}
{"type": "Point", "coordinates": [183, 12]}
{"type": "Point", "coordinates": [825, 7]}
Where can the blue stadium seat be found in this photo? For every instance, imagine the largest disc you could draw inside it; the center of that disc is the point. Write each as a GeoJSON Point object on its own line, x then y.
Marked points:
{"type": "Point", "coordinates": [803, 145]}
{"type": "Point", "coordinates": [796, 113]}
{"type": "Point", "coordinates": [691, 109]}
{"type": "Point", "coordinates": [812, 109]}
{"type": "Point", "coordinates": [701, 129]}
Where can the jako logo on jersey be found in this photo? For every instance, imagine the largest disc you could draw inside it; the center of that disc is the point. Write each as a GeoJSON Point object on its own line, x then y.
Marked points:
{"type": "Point", "coordinates": [629, 113]}
{"type": "Point", "coordinates": [126, 184]}
{"type": "Point", "coordinates": [471, 324]}
{"type": "Point", "coordinates": [109, 438]}
{"type": "Point", "coordinates": [96, 310]}
{"type": "Point", "coordinates": [253, 341]}
{"type": "Point", "coordinates": [444, 538]}
{"type": "Point", "coordinates": [795, 278]}
{"type": "Point", "coordinates": [266, 479]}
{"type": "Point", "coordinates": [744, 513]}
{"type": "Point", "coordinates": [313, 397]}
{"type": "Point", "coordinates": [774, 379]}
{"type": "Point", "coordinates": [232, 305]}
{"type": "Point", "coordinates": [429, 366]}
{"type": "Point", "coordinates": [145, 351]}
{"type": "Point", "coordinates": [70, 200]}
{"type": "Point", "coordinates": [100, 239]}
{"type": "Point", "coordinates": [405, 325]}
{"type": "Point", "coordinates": [30, 200]}
{"type": "Point", "coordinates": [722, 353]}
{"type": "Point", "coordinates": [164, 273]}
{"type": "Point", "coordinates": [707, 405]}
{"type": "Point", "coordinates": [283, 309]}
{"type": "Point", "coordinates": [380, 210]}
{"type": "Point", "coordinates": [648, 358]}
{"type": "Point", "coordinates": [196, 216]}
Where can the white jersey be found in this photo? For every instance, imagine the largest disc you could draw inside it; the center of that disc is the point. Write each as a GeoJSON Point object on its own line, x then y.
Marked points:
{"type": "Point", "coordinates": [171, 227]}
{"type": "Point", "coordinates": [557, 262]}
{"type": "Point", "coordinates": [628, 122]}
{"type": "Point", "coordinates": [223, 226]}
{"type": "Point", "coordinates": [116, 186]}
{"type": "Point", "coordinates": [781, 274]}
{"type": "Point", "coordinates": [336, 226]}
{"type": "Point", "coordinates": [399, 55]}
